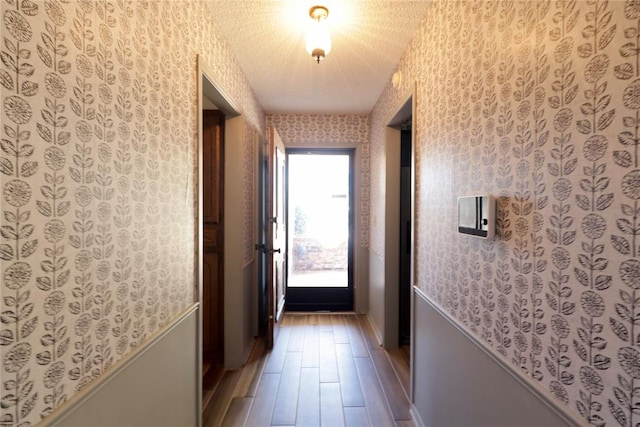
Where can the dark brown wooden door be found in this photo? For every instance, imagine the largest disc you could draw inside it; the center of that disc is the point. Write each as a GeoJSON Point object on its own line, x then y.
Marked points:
{"type": "Point", "coordinates": [213, 237]}
{"type": "Point", "coordinates": [276, 233]}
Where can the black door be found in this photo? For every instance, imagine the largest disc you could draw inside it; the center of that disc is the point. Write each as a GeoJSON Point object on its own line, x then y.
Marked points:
{"type": "Point", "coordinates": [320, 230]}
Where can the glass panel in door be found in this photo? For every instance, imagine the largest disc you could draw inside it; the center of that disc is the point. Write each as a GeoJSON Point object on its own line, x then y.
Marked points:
{"type": "Point", "coordinates": [319, 224]}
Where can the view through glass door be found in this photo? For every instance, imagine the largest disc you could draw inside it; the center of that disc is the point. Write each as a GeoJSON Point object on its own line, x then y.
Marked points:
{"type": "Point", "coordinates": [319, 223]}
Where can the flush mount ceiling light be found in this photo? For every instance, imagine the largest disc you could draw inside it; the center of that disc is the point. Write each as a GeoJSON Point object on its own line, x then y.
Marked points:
{"type": "Point", "coordinates": [318, 37]}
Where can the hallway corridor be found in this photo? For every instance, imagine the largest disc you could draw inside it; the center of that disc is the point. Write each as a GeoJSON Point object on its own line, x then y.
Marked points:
{"type": "Point", "coordinates": [325, 370]}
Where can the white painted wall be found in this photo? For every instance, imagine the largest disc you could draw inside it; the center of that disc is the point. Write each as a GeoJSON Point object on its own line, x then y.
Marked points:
{"type": "Point", "coordinates": [238, 278]}
{"type": "Point", "coordinates": [376, 293]}
{"type": "Point", "coordinates": [384, 268]}
{"type": "Point", "coordinates": [361, 275]}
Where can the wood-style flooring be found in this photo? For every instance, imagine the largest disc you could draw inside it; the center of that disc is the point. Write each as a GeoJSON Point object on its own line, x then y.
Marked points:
{"type": "Point", "coordinates": [326, 369]}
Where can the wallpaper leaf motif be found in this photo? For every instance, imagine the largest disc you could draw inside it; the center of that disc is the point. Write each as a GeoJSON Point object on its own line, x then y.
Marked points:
{"type": "Point", "coordinates": [522, 206]}
{"type": "Point", "coordinates": [622, 403]}
{"type": "Point", "coordinates": [104, 190]}
{"type": "Point", "coordinates": [319, 130]}
{"type": "Point", "coordinates": [140, 92]}
{"type": "Point", "coordinates": [67, 229]}
{"type": "Point", "coordinates": [157, 161]}
{"type": "Point", "coordinates": [83, 173]}
{"type": "Point", "coordinates": [561, 233]}
{"type": "Point", "coordinates": [456, 298]}
{"type": "Point", "coordinates": [96, 177]}
{"type": "Point", "coordinates": [540, 199]}
{"type": "Point", "coordinates": [152, 305]}
{"type": "Point", "coordinates": [597, 117]}
{"type": "Point", "coordinates": [54, 206]}
{"type": "Point", "coordinates": [485, 108]}
{"type": "Point", "coordinates": [19, 320]}
{"type": "Point", "coordinates": [554, 134]}
{"type": "Point", "coordinates": [122, 166]}
{"type": "Point", "coordinates": [504, 128]}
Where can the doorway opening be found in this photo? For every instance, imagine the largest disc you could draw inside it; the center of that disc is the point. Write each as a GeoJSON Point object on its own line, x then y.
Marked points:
{"type": "Point", "coordinates": [218, 118]}
{"type": "Point", "coordinates": [212, 246]}
{"type": "Point", "coordinates": [261, 254]}
{"type": "Point", "coordinates": [399, 229]}
{"type": "Point", "coordinates": [320, 229]}
{"type": "Point", "coordinates": [405, 236]}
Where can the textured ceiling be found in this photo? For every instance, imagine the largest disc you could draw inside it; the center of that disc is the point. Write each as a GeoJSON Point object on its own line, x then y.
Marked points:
{"type": "Point", "coordinates": [368, 39]}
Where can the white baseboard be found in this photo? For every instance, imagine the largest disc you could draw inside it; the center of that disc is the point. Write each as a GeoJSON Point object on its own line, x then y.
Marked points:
{"type": "Point", "coordinates": [416, 416]}
{"type": "Point", "coordinates": [375, 329]}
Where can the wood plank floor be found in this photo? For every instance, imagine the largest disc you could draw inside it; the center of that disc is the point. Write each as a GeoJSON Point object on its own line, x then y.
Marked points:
{"type": "Point", "coordinates": [325, 369]}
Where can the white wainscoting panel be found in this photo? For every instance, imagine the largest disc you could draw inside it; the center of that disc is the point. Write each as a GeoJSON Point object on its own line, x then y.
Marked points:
{"type": "Point", "coordinates": [458, 383]}
{"type": "Point", "coordinates": [156, 386]}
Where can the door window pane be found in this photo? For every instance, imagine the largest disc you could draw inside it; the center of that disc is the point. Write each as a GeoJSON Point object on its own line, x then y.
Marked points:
{"type": "Point", "coordinates": [318, 220]}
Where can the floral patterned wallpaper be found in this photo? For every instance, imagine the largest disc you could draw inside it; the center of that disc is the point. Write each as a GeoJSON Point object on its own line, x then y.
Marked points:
{"type": "Point", "coordinates": [97, 169]}
{"type": "Point", "coordinates": [319, 130]}
{"type": "Point", "coordinates": [537, 103]}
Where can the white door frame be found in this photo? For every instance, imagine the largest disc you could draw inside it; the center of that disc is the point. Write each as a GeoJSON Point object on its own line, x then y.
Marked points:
{"type": "Point", "coordinates": [406, 109]}
{"type": "Point", "coordinates": [207, 87]}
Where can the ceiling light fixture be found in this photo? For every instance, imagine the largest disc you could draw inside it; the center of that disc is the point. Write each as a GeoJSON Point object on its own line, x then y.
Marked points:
{"type": "Point", "coordinates": [318, 37]}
